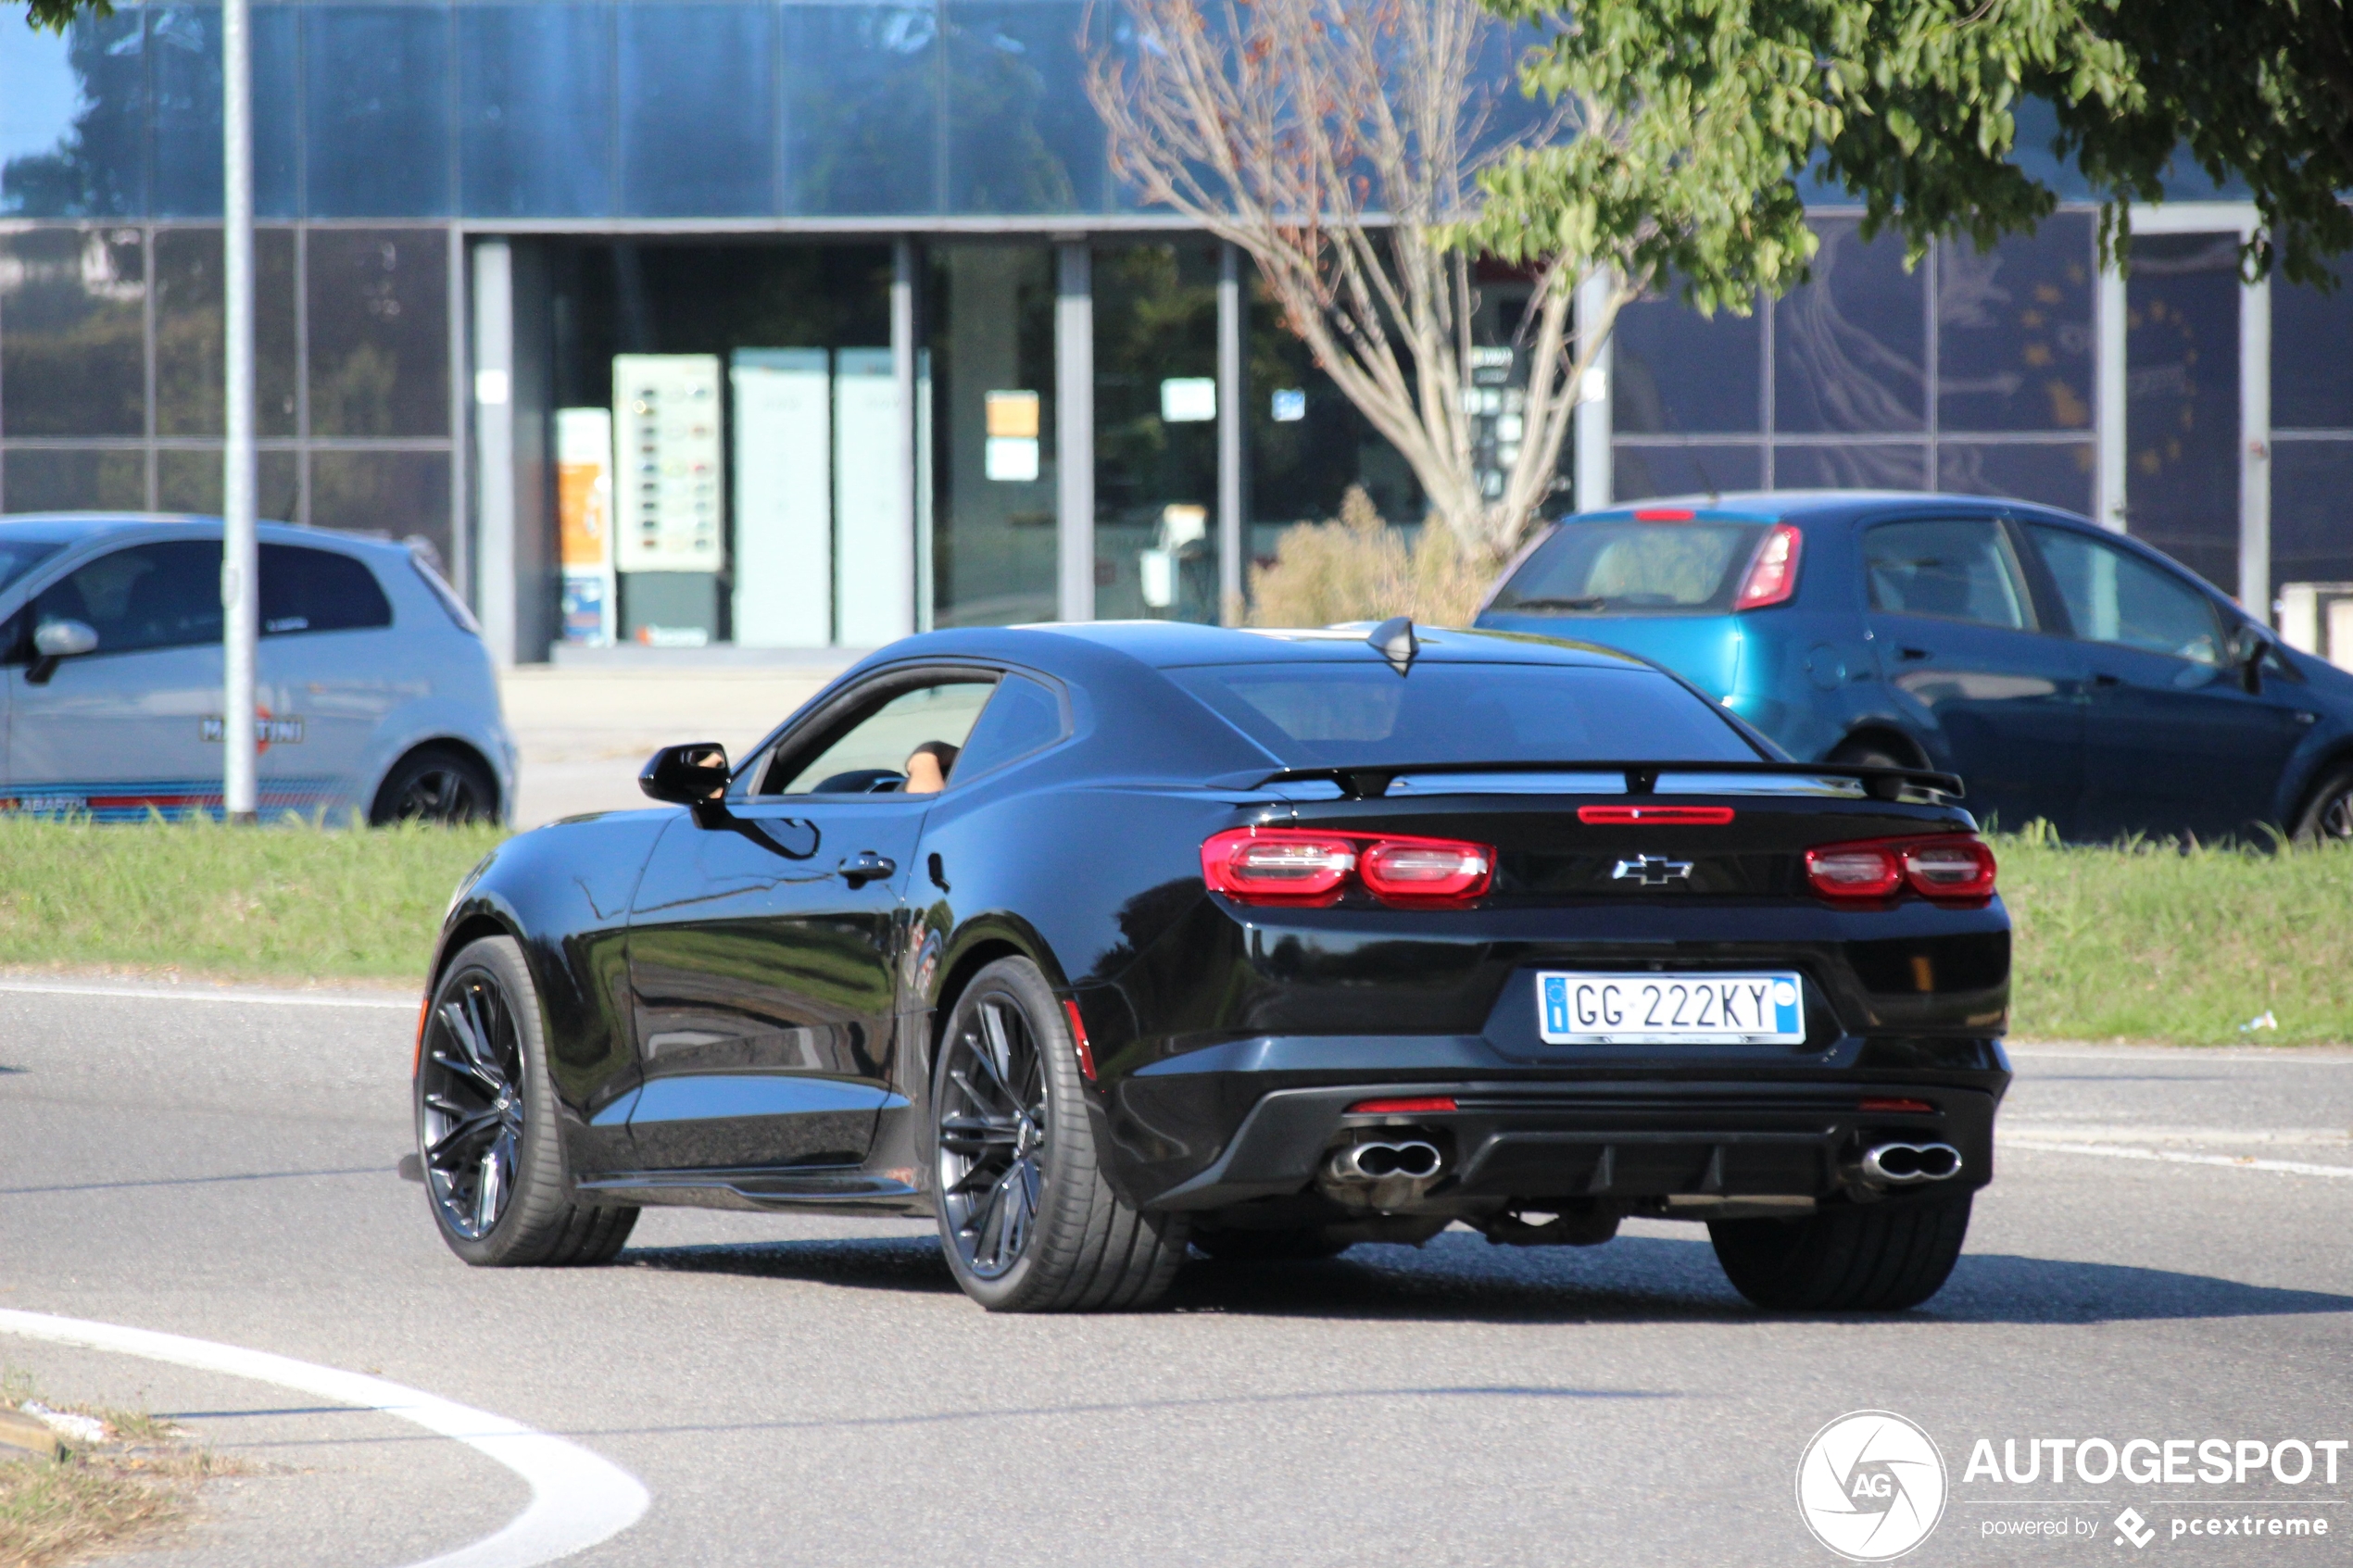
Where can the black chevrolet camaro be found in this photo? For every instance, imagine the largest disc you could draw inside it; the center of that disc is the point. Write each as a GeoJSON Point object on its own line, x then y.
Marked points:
{"type": "Point", "coordinates": [1102, 942]}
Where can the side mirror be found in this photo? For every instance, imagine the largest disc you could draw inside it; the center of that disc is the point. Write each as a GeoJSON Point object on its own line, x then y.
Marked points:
{"type": "Point", "coordinates": [694, 774]}
{"type": "Point", "coordinates": [2247, 647]}
{"type": "Point", "coordinates": [54, 640]}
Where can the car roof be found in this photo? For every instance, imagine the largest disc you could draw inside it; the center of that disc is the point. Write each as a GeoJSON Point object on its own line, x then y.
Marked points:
{"type": "Point", "coordinates": [1175, 645]}
{"type": "Point", "coordinates": [1820, 505]}
{"type": "Point", "coordinates": [74, 528]}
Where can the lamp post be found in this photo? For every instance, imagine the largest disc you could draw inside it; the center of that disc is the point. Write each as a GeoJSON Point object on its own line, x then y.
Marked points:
{"type": "Point", "coordinates": [240, 556]}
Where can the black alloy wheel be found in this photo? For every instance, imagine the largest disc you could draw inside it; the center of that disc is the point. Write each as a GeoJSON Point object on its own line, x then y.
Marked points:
{"type": "Point", "coordinates": [1026, 1221]}
{"type": "Point", "coordinates": [992, 1138]}
{"type": "Point", "coordinates": [486, 1122]}
{"type": "Point", "coordinates": [2329, 818]}
{"type": "Point", "coordinates": [439, 786]}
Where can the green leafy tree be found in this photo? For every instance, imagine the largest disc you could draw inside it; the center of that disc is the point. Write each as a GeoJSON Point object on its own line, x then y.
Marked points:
{"type": "Point", "coordinates": [57, 15]}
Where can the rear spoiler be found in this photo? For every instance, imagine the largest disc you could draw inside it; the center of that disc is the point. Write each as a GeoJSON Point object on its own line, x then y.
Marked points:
{"type": "Point", "coordinates": [1370, 782]}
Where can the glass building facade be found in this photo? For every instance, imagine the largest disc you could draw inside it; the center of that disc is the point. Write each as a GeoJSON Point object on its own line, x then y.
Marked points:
{"type": "Point", "coordinates": [851, 288]}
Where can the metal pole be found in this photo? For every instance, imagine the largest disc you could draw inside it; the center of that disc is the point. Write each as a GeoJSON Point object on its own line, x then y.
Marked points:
{"type": "Point", "coordinates": [240, 556]}
{"type": "Point", "coordinates": [1074, 429]}
{"type": "Point", "coordinates": [1231, 560]}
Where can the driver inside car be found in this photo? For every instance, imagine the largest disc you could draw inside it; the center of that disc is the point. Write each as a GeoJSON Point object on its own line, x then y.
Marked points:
{"type": "Point", "coordinates": [928, 767]}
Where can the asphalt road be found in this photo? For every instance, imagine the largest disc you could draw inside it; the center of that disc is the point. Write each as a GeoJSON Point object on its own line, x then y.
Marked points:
{"type": "Point", "coordinates": [816, 1391]}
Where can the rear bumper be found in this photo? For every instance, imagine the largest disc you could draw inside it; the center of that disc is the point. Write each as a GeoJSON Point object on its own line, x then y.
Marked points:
{"type": "Point", "coordinates": [1612, 1133]}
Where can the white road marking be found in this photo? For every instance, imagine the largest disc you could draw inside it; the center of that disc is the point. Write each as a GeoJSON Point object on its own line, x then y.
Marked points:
{"type": "Point", "coordinates": [577, 1498]}
{"type": "Point", "coordinates": [2173, 1157]}
{"type": "Point", "coordinates": [2075, 1132]}
{"type": "Point", "coordinates": [205, 994]}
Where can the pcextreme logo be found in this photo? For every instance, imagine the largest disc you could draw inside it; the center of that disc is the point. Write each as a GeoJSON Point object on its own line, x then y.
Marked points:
{"type": "Point", "coordinates": [1870, 1485]}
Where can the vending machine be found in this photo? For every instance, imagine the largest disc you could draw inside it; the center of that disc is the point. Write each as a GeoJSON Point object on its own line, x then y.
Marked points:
{"type": "Point", "coordinates": [669, 541]}
{"type": "Point", "coordinates": [583, 523]}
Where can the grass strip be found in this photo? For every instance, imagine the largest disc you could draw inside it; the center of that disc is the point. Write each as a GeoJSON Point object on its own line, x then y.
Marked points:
{"type": "Point", "coordinates": [289, 902]}
{"type": "Point", "coordinates": [2134, 941]}
{"type": "Point", "coordinates": [138, 1483]}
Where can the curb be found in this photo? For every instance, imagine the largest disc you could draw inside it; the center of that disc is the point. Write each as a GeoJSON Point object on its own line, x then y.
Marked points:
{"type": "Point", "coordinates": [23, 1432]}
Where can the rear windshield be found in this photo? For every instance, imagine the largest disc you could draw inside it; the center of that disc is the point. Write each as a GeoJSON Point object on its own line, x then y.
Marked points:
{"type": "Point", "coordinates": [1625, 566]}
{"type": "Point", "coordinates": [1350, 715]}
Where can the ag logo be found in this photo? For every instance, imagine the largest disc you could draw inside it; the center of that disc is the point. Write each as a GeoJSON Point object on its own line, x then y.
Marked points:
{"type": "Point", "coordinates": [1870, 1485]}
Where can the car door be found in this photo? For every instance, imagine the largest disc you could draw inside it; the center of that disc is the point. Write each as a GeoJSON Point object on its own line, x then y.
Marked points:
{"type": "Point", "coordinates": [327, 647]}
{"type": "Point", "coordinates": [763, 945]}
{"type": "Point", "coordinates": [135, 722]}
{"type": "Point", "coordinates": [1960, 645]}
{"type": "Point", "coordinates": [2174, 743]}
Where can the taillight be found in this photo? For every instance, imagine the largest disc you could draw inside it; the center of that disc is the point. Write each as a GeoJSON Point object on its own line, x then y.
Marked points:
{"type": "Point", "coordinates": [1949, 866]}
{"type": "Point", "coordinates": [1421, 1104]}
{"type": "Point", "coordinates": [1427, 868]}
{"type": "Point", "coordinates": [1253, 863]}
{"type": "Point", "coordinates": [1303, 866]}
{"type": "Point", "coordinates": [1772, 576]}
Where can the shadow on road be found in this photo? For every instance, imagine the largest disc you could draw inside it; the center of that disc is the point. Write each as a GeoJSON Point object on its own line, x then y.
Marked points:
{"type": "Point", "coordinates": [1461, 1278]}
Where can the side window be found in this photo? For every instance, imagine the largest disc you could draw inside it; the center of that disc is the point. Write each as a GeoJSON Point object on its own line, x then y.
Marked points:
{"type": "Point", "coordinates": [2113, 596]}
{"type": "Point", "coordinates": [873, 756]}
{"type": "Point", "coordinates": [1024, 716]}
{"type": "Point", "coordinates": [307, 590]}
{"type": "Point", "coordinates": [162, 595]}
{"type": "Point", "coordinates": [1956, 569]}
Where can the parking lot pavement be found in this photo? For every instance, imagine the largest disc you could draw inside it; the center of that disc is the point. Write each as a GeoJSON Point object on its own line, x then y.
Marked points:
{"type": "Point", "coordinates": [813, 1391]}
{"type": "Point", "coordinates": [583, 732]}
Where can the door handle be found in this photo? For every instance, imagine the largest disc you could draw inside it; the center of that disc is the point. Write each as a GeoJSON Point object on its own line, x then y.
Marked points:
{"type": "Point", "coordinates": [2104, 682]}
{"type": "Point", "coordinates": [1912, 653]}
{"type": "Point", "coordinates": [865, 866]}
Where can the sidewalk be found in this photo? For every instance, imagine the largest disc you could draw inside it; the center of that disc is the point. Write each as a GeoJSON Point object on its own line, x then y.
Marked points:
{"type": "Point", "coordinates": [585, 731]}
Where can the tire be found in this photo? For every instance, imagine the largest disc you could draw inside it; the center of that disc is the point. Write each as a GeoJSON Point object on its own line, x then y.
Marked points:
{"type": "Point", "coordinates": [1307, 1244]}
{"type": "Point", "coordinates": [1026, 1221]}
{"type": "Point", "coordinates": [1876, 1258]}
{"type": "Point", "coordinates": [486, 1124]}
{"type": "Point", "coordinates": [438, 785]}
{"type": "Point", "coordinates": [2328, 818]}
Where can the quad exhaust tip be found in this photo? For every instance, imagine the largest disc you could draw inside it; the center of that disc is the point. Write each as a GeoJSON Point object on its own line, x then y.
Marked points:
{"type": "Point", "coordinates": [1905, 1164]}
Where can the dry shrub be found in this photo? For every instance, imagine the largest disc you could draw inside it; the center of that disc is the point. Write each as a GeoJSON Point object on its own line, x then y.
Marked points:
{"type": "Point", "coordinates": [1357, 567]}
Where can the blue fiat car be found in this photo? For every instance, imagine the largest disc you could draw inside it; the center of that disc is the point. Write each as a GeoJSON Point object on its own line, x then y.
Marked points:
{"type": "Point", "coordinates": [2067, 673]}
{"type": "Point", "coordinates": [376, 699]}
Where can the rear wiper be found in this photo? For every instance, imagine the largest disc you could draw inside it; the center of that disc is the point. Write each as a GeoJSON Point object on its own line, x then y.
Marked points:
{"type": "Point", "coordinates": [1591, 602]}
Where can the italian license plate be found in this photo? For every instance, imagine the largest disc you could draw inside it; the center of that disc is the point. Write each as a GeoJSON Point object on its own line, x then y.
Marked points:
{"type": "Point", "coordinates": [1738, 1009]}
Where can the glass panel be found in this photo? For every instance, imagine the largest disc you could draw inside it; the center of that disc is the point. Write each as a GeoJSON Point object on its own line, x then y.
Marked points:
{"type": "Point", "coordinates": [306, 590]}
{"type": "Point", "coordinates": [379, 332]}
{"type": "Point", "coordinates": [1955, 570]}
{"type": "Point", "coordinates": [73, 117]}
{"type": "Point", "coordinates": [73, 356]}
{"type": "Point", "coordinates": [1848, 347]}
{"type": "Point", "coordinates": [2057, 474]}
{"type": "Point", "coordinates": [698, 104]}
{"type": "Point", "coordinates": [394, 495]}
{"type": "Point", "coordinates": [535, 110]}
{"type": "Point", "coordinates": [991, 322]}
{"type": "Point", "coordinates": [1157, 433]}
{"type": "Point", "coordinates": [190, 336]}
{"type": "Point", "coordinates": [1340, 715]}
{"type": "Point", "coordinates": [2312, 345]}
{"type": "Point", "coordinates": [162, 595]}
{"type": "Point", "coordinates": [376, 87]}
{"type": "Point", "coordinates": [2114, 596]}
{"type": "Point", "coordinates": [1306, 442]}
{"type": "Point", "coordinates": [861, 109]}
{"type": "Point", "coordinates": [1850, 467]}
{"type": "Point", "coordinates": [2182, 402]}
{"type": "Point", "coordinates": [52, 481]}
{"type": "Point", "coordinates": [1639, 472]}
{"type": "Point", "coordinates": [1642, 567]}
{"type": "Point", "coordinates": [876, 750]}
{"type": "Point", "coordinates": [183, 59]}
{"type": "Point", "coordinates": [1021, 717]}
{"type": "Point", "coordinates": [1022, 136]}
{"type": "Point", "coordinates": [2015, 324]}
{"type": "Point", "coordinates": [1675, 371]}
{"type": "Point", "coordinates": [2312, 512]}
{"type": "Point", "coordinates": [191, 482]}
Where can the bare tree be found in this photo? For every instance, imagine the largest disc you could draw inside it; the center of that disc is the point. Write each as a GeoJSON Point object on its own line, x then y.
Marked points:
{"type": "Point", "coordinates": [1341, 143]}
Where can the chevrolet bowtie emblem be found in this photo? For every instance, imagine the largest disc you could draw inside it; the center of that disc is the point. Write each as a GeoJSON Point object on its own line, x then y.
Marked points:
{"type": "Point", "coordinates": [1653, 871]}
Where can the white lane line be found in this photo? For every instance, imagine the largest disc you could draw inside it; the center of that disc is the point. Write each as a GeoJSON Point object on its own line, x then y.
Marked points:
{"type": "Point", "coordinates": [178, 994]}
{"type": "Point", "coordinates": [2171, 1157]}
{"type": "Point", "coordinates": [577, 1498]}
